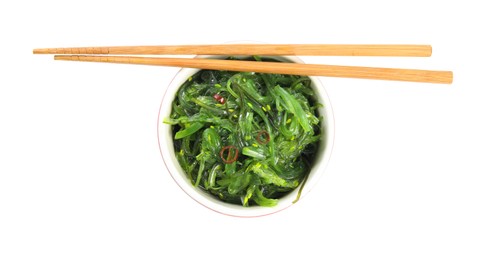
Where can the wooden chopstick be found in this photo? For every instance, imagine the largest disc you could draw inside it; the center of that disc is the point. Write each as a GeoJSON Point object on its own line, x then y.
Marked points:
{"type": "Point", "coordinates": [404, 50]}
{"type": "Point", "coordinates": [413, 75]}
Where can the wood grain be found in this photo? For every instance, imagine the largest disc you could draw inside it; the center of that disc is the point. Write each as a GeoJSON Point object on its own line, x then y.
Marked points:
{"type": "Point", "coordinates": [413, 75]}
{"type": "Point", "coordinates": [402, 50]}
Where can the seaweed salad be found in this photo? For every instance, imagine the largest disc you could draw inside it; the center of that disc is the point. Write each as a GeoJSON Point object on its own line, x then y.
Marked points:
{"type": "Point", "coordinates": [246, 138]}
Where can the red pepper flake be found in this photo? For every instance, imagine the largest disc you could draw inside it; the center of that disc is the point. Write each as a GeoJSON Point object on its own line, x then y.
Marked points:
{"type": "Point", "coordinates": [219, 98]}
{"type": "Point", "coordinates": [263, 137]}
{"type": "Point", "coordinates": [232, 154]}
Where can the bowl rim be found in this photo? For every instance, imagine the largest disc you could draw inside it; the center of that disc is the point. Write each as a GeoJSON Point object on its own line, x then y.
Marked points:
{"type": "Point", "coordinates": [209, 201]}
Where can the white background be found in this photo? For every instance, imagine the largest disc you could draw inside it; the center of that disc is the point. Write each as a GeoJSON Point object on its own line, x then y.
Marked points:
{"type": "Point", "coordinates": [414, 172]}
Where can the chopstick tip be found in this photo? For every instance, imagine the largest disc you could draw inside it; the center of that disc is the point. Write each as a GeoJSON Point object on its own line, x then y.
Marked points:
{"type": "Point", "coordinates": [451, 77]}
{"type": "Point", "coordinates": [447, 77]}
{"type": "Point", "coordinates": [61, 57]}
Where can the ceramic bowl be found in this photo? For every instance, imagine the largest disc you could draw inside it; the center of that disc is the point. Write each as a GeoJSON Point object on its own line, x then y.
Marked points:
{"type": "Point", "coordinates": [165, 139]}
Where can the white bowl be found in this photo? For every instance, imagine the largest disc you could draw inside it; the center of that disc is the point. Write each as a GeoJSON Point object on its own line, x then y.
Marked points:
{"type": "Point", "coordinates": [165, 140]}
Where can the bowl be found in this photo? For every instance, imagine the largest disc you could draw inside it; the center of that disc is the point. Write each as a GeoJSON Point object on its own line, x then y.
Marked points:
{"type": "Point", "coordinates": [165, 140]}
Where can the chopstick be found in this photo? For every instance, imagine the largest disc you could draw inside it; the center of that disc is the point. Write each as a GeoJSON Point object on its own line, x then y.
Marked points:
{"type": "Point", "coordinates": [401, 50]}
{"type": "Point", "coordinates": [413, 75]}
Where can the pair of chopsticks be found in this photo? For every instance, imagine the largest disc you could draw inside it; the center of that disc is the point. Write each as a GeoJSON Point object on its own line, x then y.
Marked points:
{"type": "Point", "coordinates": [103, 54]}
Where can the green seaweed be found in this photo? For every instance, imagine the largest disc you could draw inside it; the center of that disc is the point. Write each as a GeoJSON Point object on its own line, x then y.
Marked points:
{"type": "Point", "coordinates": [272, 121]}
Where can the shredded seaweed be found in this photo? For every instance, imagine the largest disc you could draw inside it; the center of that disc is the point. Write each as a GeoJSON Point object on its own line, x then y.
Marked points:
{"type": "Point", "coordinates": [246, 138]}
